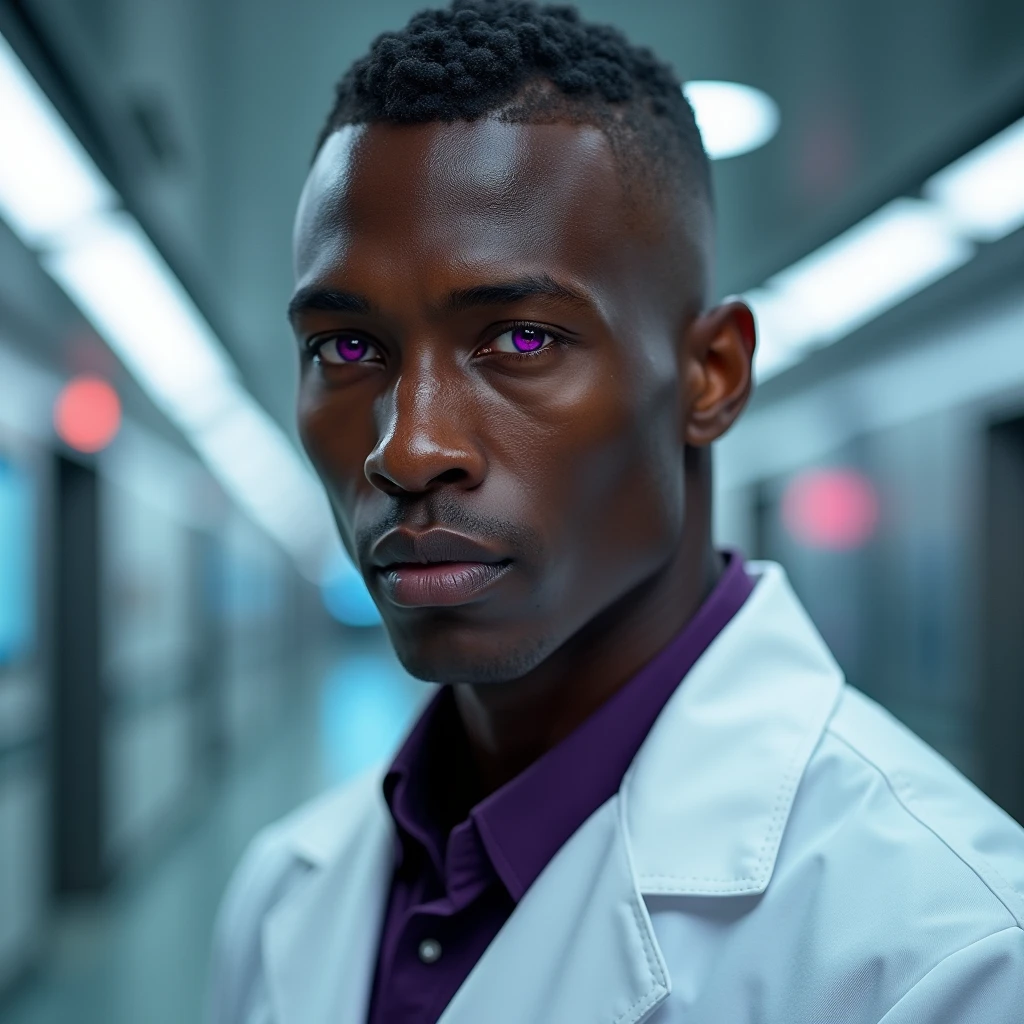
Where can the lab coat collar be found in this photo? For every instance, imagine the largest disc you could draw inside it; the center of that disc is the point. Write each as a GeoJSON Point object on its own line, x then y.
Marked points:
{"type": "Point", "coordinates": [701, 812]}
{"type": "Point", "coordinates": [709, 793]}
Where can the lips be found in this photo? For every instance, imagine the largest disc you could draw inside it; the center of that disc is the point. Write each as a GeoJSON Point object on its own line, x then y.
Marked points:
{"type": "Point", "coordinates": [436, 568]}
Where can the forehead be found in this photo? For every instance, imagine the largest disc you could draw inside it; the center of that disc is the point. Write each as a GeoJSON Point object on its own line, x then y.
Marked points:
{"type": "Point", "coordinates": [404, 199]}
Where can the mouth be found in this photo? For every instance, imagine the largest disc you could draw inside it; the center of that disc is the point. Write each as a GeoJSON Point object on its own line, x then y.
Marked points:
{"type": "Point", "coordinates": [436, 567]}
{"type": "Point", "coordinates": [439, 584]}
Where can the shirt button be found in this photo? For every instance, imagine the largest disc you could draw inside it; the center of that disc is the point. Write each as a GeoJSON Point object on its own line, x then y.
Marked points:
{"type": "Point", "coordinates": [429, 951]}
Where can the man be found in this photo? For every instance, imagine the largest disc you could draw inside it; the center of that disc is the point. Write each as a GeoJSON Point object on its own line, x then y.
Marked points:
{"type": "Point", "coordinates": [643, 791]}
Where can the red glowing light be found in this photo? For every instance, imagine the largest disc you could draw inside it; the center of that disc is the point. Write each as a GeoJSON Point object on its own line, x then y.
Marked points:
{"type": "Point", "coordinates": [87, 414]}
{"type": "Point", "coordinates": [834, 509]}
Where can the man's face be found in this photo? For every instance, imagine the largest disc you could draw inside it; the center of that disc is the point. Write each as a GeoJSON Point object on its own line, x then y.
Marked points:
{"type": "Point", "coordinates": [492, 347]}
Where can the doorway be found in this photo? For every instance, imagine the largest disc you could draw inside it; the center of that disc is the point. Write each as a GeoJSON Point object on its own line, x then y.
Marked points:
{"type": "Point", "coordinates": [1001, 722]}
{"type": "Point", "coordinates": [77, 708]}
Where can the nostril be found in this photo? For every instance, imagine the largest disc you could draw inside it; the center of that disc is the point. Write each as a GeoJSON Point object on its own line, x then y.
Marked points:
{"type": "Point", "coordinates": [392, 487]}
{"type": "Point", "coordinates": [450, 476]}
{"type": "Point", "coordinates": [385, 484]}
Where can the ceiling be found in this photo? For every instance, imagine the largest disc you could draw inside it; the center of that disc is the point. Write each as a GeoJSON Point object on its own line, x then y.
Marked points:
{"type": "Point", "coordinates": [203, 113]}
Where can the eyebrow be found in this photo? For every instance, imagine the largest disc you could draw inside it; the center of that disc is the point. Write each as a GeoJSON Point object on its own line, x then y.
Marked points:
{"type": "Point", "coordinates": [313, 298]}
{"type": "Point", "coordinates": [504, 293]}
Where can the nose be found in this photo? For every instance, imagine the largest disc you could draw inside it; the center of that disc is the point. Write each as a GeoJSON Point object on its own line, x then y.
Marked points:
{"type": "Point", "coordinates": [425, 437]}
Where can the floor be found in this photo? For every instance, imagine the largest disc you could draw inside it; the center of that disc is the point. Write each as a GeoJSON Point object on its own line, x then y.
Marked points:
{"type": "Point", "coordinates": [139, 955]}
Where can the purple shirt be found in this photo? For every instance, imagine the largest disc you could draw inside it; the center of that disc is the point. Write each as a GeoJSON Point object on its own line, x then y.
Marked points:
{"type": "Point", "coordinates": [458, 876]}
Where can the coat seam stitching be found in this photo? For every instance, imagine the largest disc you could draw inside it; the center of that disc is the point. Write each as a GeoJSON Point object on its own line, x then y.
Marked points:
{"type": "Point", "coordinates": [648, 941]}
{"type": "Point", "coordinates": [787, 787]}
{"type": "Point", "coordinates": [650, 997]}
{"type": "Point", "coordinates": [891, 785]}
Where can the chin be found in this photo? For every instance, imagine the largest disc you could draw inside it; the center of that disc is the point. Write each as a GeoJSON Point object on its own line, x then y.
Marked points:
{"type": "Point", "coordinates": [447, 653]}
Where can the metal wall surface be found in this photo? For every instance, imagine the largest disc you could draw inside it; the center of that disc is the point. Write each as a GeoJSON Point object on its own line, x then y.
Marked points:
{"type": "Point", "coordinates": [899, 611]}
{"type": "Point", "coordinates": [915, 609]}
{"type": "Point", "coordinates": [191, 624]}
{"type": "Point", "coordinates": [24, 811]}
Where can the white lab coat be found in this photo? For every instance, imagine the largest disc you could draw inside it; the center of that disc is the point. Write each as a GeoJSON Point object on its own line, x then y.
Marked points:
{"type": "Point", "coordinates": [780, 851]}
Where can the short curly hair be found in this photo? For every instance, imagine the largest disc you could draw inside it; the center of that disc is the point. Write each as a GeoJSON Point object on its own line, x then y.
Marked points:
{"type": "Point", "coordinates": [528, 64]}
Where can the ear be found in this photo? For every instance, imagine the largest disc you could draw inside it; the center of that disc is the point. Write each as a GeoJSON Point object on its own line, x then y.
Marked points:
{"type": "Point", "coordinates": [719, 353]}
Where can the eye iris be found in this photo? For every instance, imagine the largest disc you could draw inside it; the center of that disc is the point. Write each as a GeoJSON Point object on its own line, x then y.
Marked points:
{"type": "Point", "coordinates": [527, 339]}
{"type": "Point", "coordinates": [351, 349]}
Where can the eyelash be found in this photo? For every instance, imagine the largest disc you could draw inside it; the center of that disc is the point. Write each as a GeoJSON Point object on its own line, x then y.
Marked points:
{"type": "Point", "coordinates": [557, 340]}
{"type": "Point", "coordinates": [314, 345]}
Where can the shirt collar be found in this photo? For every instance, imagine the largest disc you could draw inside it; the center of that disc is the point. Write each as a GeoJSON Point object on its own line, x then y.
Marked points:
{"type": "Point", "coordinates": [428, 778]}
{"type": "Point", "coordinates": [525, 822]}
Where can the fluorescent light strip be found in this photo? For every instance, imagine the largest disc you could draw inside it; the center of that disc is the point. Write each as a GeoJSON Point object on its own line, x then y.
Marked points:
{"type": "Point", "coordinates": [48, 183]}
{"type": "Point", "coordinates": [896, 252]}
{"type": "Point", "coordinates": [781, 338]}
{"type": "Point", "coordinates": [983, 192]}
{"type": "Point", "coordinates": [114, 273]}
{"type": "Point", "coordinates": [246, 445]}
{"type": "Point", "coordinates": [58, 202]}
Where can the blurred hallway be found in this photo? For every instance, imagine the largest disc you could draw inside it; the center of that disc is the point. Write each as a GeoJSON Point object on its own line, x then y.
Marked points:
{"type": "Point", "coordinates": [186, 652]}
{"type": "Point", "coordinates": [139, 953]}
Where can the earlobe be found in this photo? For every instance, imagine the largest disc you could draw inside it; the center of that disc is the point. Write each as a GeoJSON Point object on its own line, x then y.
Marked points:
{"type": "Point", "coordinates": [720, 352]}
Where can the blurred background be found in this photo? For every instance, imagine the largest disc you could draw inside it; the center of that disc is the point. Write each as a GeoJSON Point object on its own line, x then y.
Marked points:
{"type": "Point", "coordinates": [184, 655]}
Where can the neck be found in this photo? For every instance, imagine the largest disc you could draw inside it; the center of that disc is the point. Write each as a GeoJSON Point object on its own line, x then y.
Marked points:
{"type": "Point", "coordinates": [510, 725]}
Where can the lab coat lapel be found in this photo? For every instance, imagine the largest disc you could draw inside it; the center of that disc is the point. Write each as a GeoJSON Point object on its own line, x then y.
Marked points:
{"type": "Point", "coordinates": [578, 947]}
{"type": "Point", "coordinates": [320, 943]}
{"type": "Point", "coordinates": [709, 793]}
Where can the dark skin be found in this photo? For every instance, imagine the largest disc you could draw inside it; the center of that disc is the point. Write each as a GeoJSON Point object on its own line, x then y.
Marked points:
{"type": "Point", "coordinates": [422, 249]}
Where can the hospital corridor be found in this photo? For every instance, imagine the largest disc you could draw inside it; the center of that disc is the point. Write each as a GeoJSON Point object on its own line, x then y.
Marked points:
{"type": "Point", "coordinates": [140, 950]}
{"type": "Point", "coordinates": [599, 427]}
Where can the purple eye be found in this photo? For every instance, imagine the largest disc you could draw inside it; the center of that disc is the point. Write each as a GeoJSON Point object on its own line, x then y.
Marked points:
{"type": "Point", "coordinates": [351, 349]}
{"type": "Point", "coordinates": [346, 348]}
{"type": "Point", "coordinates": [526, 339]}
{"type": "Point", "coordinates": [522, 339]}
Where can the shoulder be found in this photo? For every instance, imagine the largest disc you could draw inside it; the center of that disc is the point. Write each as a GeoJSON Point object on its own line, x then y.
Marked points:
{"type": "Point", "coordinates": [276, 863]}
{"type": "Point", "coordinates": [958, 836]}
{"type": "Point", "coordinates": [895, 878]}
{"type": "Point", "coordinates": [895, 868]}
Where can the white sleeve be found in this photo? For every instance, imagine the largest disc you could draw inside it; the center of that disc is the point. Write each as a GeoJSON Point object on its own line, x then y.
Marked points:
{"type": "Point", "coordinates": [980, 984]}
{"type": "Point", "coordinates": [236, 993]}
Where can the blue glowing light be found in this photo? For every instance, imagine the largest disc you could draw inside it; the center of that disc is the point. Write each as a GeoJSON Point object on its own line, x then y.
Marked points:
{"type": "Point", "coordinates": [17, 598]}
{"type": "Point", "coordinates": [368, 702]}
{"type": "Point", "coordinates": [345, 595]}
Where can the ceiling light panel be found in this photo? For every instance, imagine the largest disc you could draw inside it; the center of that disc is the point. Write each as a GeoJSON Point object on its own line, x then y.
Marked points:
{"type": "Point", "coordinates": [733, 119]}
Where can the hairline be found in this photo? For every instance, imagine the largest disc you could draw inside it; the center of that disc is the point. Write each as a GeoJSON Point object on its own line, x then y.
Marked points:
{"type": "Point", "coordinates": [643, 178]}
